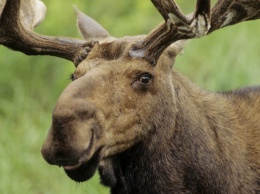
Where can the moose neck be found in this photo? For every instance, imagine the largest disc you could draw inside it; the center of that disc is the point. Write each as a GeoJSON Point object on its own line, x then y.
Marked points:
{"type": "Point", "coordinates": [170, 158]}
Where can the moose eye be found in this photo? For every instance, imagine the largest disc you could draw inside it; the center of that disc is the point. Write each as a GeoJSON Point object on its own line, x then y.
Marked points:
{"type": "Point", "coordinates": [143, 82]}
{"type": "Point", "coordinates": [145, 78]}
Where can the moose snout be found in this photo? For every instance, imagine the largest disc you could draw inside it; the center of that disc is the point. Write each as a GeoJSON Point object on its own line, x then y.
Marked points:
{"type": "Point", "coordinates": [71, 138]}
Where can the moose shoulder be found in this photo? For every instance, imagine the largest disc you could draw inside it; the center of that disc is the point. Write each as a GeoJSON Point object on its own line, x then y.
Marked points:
{"type": "Point", "coordinates": [128, 113]}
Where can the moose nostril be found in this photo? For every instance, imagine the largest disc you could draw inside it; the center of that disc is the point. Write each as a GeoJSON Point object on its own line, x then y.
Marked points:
{"type": "Point", "coordinates": [68, 109]}
{"type": "Point", "coordinates": [85, 112]}
{"type": "Point", "coordinates": [71, 135]}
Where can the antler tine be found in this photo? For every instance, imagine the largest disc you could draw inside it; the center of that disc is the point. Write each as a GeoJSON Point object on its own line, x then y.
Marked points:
{"type": "Point", "coordinates": [177, 26]}
{"type": "Point", "coordinates": [229, 12]}
{"type": "Point", "coordinates": [20, 38]}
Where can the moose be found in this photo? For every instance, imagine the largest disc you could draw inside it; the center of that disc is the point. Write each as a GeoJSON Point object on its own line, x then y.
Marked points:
{"type": "Point", "coordinates": [130, 115]}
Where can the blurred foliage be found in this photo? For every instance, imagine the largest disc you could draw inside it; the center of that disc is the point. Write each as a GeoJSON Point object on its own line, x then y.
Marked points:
{"type": "Point", "coordinates": [30, 86]}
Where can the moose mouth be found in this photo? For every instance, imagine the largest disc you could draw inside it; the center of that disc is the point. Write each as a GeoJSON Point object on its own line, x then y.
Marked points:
{"type": "Point", "coordinates": [83, 171]}
{"type": "Point", "coordinates": [86, 167]}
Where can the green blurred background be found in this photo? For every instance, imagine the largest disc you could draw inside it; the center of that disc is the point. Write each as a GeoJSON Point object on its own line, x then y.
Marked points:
{"type": "Point", "coordinates": [30, 86]}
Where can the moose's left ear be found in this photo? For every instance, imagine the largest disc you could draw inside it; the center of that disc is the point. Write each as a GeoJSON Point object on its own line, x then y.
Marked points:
{"type": "Point", "coordinates": [175, 49]}
{"type": "Point", "coordinates": [89, 28]}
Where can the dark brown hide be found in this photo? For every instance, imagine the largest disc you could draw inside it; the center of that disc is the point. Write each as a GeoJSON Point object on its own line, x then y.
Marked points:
{"type": "Point", "coordinates": [167, 136]}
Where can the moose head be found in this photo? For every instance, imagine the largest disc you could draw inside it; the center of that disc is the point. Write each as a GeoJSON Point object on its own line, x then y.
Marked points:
{"type": "Point", "coordinates": [124, 91]}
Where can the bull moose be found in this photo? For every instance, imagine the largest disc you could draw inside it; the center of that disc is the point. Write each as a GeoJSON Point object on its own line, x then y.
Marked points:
{"type": "Point", "coordinates": [128, 114]}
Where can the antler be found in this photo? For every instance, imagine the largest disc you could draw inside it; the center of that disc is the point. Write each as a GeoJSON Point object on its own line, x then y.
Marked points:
{"type": "Point", "coordinates": [17, 34]}
{"type": "Point", "coordinates": [177, 26]}
{"type": "Point", "coordinates": [229, 12]}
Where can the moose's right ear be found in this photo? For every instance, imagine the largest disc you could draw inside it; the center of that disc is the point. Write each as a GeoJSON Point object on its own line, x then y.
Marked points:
{"type": "Point", "coordinates": [89, 28]}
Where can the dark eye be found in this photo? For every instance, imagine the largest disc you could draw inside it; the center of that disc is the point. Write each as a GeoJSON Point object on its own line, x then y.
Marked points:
{"type": "Point", "coordinates": [143, 82]}
{"type": "Point", "coordinates": [145, 78]}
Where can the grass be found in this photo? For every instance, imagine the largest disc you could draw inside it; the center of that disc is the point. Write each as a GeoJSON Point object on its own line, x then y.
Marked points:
{"type": "Point", "coordinates": [30, 86]}
{"type": "Point", "coordinates": [224, 60]}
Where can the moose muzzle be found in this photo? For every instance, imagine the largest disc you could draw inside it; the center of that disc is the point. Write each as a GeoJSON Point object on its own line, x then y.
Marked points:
{"type": "Point", "coordinates": [71, 140]}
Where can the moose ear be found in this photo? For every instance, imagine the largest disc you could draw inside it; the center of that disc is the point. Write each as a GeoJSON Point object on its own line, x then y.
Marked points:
{"type": "Point", "coordinates": [89, 28]}
{"type": "Point", "coordinates": [172, 51]}
{"type": "Point", "coordinates": [2, 4]}
{"type": "Point", "coordinates": [32, 12]}
{"type": "Point", "coordinates": [176, 48]}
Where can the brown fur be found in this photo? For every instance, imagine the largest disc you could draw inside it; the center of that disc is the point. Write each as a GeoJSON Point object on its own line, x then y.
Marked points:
{"type": "Point", "coordinates": [165, 137]}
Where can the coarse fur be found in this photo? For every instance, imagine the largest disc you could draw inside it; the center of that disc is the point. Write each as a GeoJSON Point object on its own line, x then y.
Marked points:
{"type": "Point", "coordinates": [187, 140]}
{"type": "Point", "coordinates": [211, 150]}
